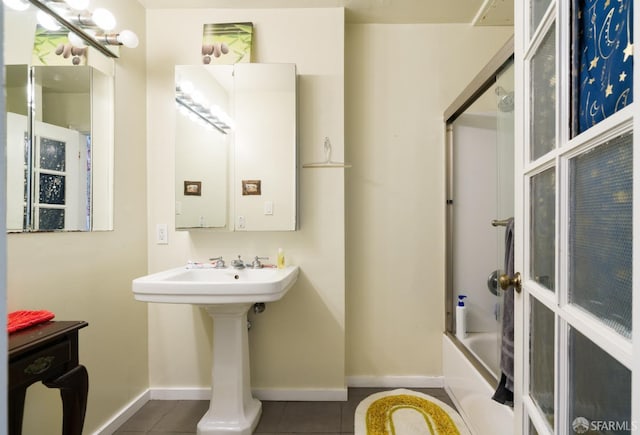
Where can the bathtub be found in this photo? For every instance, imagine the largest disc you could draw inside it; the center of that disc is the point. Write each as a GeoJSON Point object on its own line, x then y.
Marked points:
{"type": "Point", "coordinates": [485, 347]}
{"type": "Point", "coordinates": [470, 390]}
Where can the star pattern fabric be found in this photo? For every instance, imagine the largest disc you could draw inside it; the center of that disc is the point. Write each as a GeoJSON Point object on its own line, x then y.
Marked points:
{"type": "Point", "coordinates": [604, 48]}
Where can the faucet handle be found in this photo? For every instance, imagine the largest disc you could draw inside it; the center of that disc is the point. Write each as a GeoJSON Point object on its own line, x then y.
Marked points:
{"type": "Point", "coordinates": [238, 263]}
{"type": "Point", "coordinates": [219, 262]}
{"type": "Point", "coordinates": [256, 262]}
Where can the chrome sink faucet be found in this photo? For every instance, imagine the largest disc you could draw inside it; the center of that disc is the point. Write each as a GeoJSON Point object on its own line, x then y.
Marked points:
{"type": "Point", "coordinates": [219, 262]}
{"type": "Point", "coordinates": [238, 263]}
{"type": "Point", "coordinates": [255, 264]}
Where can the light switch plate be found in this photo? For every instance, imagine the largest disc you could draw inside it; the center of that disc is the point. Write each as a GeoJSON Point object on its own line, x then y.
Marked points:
{"type": "Point", "coordinates": [268, 207]}
{"type": "Point", "coordinates": [162, 237]}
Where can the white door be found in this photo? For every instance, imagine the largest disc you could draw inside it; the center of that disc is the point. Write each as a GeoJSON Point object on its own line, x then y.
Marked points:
{"type": "Point", "coordinates": [574, 204]}
{"type": "Point", "coordinates": [61, 179]}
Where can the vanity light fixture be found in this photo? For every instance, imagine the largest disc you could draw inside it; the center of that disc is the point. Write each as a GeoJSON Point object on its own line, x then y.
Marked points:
{"type": "Point", "coordinates": [85, 27]}
{"type": "Point", "coordinates": [126, 37]}
{"type": "Point", "coordinates": [189, 100]}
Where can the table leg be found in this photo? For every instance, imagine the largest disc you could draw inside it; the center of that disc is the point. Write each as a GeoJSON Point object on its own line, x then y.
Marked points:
{"type": "Point", "coordinates": [16, 410]}
{"type": "Point", "coordinates": [74, 389]}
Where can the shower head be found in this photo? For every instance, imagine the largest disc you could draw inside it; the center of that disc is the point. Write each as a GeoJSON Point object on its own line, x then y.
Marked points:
{"type": "Point", "coordinates": [505, 103]}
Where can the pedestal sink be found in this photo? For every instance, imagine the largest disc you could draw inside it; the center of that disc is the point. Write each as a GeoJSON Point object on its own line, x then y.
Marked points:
{"type": "Point", "coordinates": [226, 294]}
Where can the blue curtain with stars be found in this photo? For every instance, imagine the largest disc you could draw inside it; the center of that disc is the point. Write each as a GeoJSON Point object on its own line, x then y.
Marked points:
{"type": "Point", "coordinates": [604, 48]}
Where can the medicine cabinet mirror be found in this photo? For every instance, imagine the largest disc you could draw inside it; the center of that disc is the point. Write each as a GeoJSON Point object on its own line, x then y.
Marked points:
{"type": "Point", "coordinates": [235, 146]}
{"type": "Point", "coordinates": [59, 134]}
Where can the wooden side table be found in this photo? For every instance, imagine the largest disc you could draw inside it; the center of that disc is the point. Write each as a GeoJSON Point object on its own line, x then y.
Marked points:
{"type": "Point", "coordinates": [48, 353]}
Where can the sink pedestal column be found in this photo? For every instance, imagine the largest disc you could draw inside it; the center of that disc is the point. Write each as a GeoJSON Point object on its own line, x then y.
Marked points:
{"type": "Point", "coordinates": [233, 410]}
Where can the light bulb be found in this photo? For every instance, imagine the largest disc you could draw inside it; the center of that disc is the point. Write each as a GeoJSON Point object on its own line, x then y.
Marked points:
{"type": "Point", "coordinates": [104, 19]}
{"type": "Point", "coordinates": [78, 5]}
{"type": "Point", "coordinates": [17, 5]}
{"type": "Point", "coordinates": [76, 41]}
{"type": "Point", "coordinates": [128, 39]}
{"type": "Point", "coordinates": [47, 21]}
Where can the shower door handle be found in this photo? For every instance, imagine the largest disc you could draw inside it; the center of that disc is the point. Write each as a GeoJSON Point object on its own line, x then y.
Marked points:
{"type": "Point", "coordinates": [507, 281]}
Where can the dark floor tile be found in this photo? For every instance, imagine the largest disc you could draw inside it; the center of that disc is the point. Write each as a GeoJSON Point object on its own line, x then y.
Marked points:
{"type": "Point", "coordinates": [184, 417]}
{"type": "Point", "coordinates": [348, 410]}
{"type": "Point", "coordinates": [153, 432]}
{"type": "Point", "coordinates": [159, 417]}
{"type": "Point", "coordinates": [146, 417]}
{"type": "Point", "coordinates": [271, 415]}
{"type": "Point", "coordinates": [305, 417]}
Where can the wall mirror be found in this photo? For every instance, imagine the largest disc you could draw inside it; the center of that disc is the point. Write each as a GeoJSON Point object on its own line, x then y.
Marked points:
{"type": "Point", "coordinates": [59, 133]}
{"type": "Point", "coordinates": [236, 147]}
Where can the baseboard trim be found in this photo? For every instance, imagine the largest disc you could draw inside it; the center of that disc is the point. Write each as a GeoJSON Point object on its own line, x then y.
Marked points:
{"type": "Point", "coordinates": [283, 394]}
{"type": "Point", "coordinates": [180, 393]}
{"type": "Point", "coordinates": [124, 414]}
{"type": "Point", "coordinates": [396, 381]}
{"type": "Point", "coordinates": [301, 394]}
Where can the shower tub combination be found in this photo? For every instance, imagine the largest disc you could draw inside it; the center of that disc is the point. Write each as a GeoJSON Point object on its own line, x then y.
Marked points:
{"type": "Point", "coordinates": [470, 389]}
{"type": "Point", "coordinates": [480, 137]}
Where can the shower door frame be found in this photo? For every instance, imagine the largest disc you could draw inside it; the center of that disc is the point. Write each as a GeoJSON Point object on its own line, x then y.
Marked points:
{"type": "Point", "coordinates": [484, 80]}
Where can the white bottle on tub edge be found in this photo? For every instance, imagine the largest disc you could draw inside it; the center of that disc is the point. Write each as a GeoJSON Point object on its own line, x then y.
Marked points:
{"type": "Point", "coordinates": [461, 318]}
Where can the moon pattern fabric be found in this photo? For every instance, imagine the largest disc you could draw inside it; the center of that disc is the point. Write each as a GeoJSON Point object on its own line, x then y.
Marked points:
{"type": "Point", "coordinates": [604, 48]}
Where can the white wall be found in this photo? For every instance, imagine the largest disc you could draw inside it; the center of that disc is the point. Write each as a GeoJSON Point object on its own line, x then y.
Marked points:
{"type": "Point", "coordinates": [399, 81]}
{"type": "Point", "coordinates": [87, 276]}
{"type": "Point", "coordinates": [297, 344]}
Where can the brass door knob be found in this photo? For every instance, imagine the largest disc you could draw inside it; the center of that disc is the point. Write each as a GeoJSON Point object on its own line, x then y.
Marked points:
{"type": "Point", "coordinates": [507, 281]}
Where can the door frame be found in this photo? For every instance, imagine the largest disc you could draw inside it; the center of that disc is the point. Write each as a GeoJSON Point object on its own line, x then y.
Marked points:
{"type": "Point", "coordinates": [559, 10]}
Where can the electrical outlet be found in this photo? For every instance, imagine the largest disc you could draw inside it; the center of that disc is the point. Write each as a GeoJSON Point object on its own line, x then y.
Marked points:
{"type": "Point", "coordinates": [162, 238]}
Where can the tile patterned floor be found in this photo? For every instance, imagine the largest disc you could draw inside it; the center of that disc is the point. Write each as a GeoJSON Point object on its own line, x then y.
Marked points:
{"type": "Point", "coordinates": [180, 417]}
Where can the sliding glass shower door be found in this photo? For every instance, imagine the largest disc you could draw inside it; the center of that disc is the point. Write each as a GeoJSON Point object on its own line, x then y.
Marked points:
{"type": "Point", "coordinates": [480, 193]}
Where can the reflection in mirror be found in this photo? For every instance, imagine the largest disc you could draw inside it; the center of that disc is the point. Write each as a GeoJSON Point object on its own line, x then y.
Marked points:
{"type": "Point", "coordinates": [202, 148]}
{"type": "Point", "coordinates": [59, 138]}
{"type": "Point", "coordinates": [266, 146]}
{"type": "Point", "coordinates": [236, 149]}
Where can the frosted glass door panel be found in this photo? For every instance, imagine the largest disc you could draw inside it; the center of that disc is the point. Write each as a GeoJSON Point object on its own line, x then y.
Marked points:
{"type": "Point", "coordinates": [541, 358]}
{"type": "Point", "coordinates": [543, 97]}
{"type": "Point", "coordinates": [599, 389]}
{"type": "Point", "coordinates": [543, 225]}
{"type": "Point", "coordinates": [538, 8]}
{"type": "Point", "coordinates": [600, 232]}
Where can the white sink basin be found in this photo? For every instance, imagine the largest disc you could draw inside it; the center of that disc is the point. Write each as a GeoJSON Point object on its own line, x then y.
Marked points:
{"type": "Point", "coordinates": [215, 286]}
{"type": "Point", "coordinates": [227, 295]}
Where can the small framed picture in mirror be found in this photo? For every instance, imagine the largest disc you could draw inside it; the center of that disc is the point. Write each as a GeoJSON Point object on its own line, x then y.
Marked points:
{"type": "Point", "coordinates": [251, 187]}
{"type": "Point", "coordinates": [193, 188]}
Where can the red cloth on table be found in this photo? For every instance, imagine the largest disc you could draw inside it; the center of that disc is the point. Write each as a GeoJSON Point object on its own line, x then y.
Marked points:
{"type": "Point", "coordinates": [24, 318]}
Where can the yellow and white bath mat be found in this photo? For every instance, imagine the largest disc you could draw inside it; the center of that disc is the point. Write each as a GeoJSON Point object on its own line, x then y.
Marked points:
{"type": "Point", "coordinates": [406, 412]}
